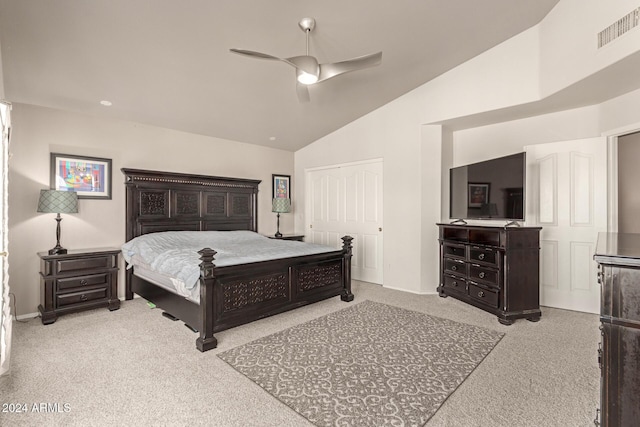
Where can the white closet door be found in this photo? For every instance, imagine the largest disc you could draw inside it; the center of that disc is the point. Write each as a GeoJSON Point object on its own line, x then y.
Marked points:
{"type": "Point", "coordinates": [347, 200]}
{"type": "Point", "coordinates": [567, 197]}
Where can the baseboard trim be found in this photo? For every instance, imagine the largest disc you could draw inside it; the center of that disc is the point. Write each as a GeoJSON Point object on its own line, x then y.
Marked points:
{"type": "Point", "coordinates": [411, 292]}
{"type": "Point", "coordinates": [27, 316]}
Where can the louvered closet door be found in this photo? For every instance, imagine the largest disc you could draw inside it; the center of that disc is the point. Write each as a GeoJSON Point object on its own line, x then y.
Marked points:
{"type": "Point", "coordinates": [567, 197]}
{"type": "Point", "coordinates": [347, 200]}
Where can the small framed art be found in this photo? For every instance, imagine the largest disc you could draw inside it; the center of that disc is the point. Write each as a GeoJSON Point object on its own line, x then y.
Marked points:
{"type": "Point", "coordinates": [90, 177]}
{"type": "Point", "coordinates": [478, 194]}
{"type": "Point", "coordinates": [281, 186]}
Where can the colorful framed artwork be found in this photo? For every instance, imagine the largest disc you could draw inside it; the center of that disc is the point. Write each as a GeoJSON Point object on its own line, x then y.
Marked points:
{"type": "Point", "coordinates": [281, 186]}
{"type": "Point", "coordinates": [90, 177]}
{"type": "Point", "coordinates": [478, 194]}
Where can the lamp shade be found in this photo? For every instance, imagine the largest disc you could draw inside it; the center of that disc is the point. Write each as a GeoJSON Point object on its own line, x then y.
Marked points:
{"type": "Point", "coordinates": [281, 205]}
{"type": "Point", "coordinates": [54, 201]}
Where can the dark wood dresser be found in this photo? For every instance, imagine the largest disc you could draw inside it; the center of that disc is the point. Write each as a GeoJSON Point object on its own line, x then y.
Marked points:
{"type": "Point", "coordinates": [493, 268]}
{"type": "Point", "coordinates": [618, 258]}
{"type": "Point", "coordinates": [78, 280]}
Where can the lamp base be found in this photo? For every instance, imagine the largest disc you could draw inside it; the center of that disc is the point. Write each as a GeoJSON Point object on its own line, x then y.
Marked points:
{"type": "Point", "coordinates": [58, 250]}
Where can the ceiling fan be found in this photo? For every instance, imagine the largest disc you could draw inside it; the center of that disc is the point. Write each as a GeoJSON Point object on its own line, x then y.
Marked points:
{"type": "Point", "coordinates": [308, 70]}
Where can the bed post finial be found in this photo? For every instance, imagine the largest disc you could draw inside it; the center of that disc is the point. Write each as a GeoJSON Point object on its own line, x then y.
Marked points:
{"type": "Point", "coordinates": [346, 244]}
{"type": "Point", "coordinates": [206, 341]}
{"type": "Point", "coordinates": [346, 270]}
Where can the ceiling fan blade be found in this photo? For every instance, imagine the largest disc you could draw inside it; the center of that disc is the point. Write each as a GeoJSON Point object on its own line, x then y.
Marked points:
{"type": "Point", "coordinates": [303, 92]}
{"type": "Point", "coordinates": [260, 55]}
{"type": "Point", "coordinates": [331, 70]}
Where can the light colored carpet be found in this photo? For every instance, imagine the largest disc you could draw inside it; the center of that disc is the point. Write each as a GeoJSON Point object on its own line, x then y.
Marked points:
{"type": "Point", "coordinates": [371, 364]}
{"type": "Point", "coordinates": [133, 367]}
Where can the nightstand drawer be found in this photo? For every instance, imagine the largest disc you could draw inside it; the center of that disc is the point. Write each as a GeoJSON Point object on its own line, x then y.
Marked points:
{"type": "Point", "coordinates": [80, 297]}
{"type": "Point", "coordinates": [64, 266]}
{"type": "Point", "coordinates": [77, 283]}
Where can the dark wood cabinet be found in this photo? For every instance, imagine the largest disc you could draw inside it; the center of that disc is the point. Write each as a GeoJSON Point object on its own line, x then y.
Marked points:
{"type": "Point", "coordinates": [618, 258]}
{"type": "Point", "coordinates": [78, 280]}
{"type": "Point", "coordinates": [493, 268]}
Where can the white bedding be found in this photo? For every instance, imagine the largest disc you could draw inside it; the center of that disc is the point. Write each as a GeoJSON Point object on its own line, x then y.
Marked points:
{"type": "Point", "coordinates": [174, 254]}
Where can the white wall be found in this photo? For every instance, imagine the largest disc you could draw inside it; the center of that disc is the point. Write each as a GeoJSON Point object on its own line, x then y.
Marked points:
{"type": "Point", "coordinates": [568, 41]}
{"type": "Point", "coordinates": [40, 131]}
{"type": "Point", "coordinates": [501, 139]}
{"type": "Point", "coordinates": [506, 75]}
{"type": "Point", "coordinates": [532, 65]}
{"type": "Point", "coordinates": [1, 78]}
{"type": "Point", "coordinates": [389, 133]}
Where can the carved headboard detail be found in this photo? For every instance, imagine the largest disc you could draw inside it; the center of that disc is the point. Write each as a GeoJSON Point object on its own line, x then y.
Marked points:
{"type": "Point", "coordinates": [167, 201]}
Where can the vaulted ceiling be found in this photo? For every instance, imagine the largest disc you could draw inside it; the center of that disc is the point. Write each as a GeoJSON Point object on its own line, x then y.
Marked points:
{"type": "Point", "coordinates": [167, 63]}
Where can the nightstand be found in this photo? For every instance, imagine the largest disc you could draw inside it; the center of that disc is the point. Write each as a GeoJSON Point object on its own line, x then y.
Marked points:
{"type": "Point", "coordinates": [78, 280]}
{"type": "Point", "coordinates": [298, 237]}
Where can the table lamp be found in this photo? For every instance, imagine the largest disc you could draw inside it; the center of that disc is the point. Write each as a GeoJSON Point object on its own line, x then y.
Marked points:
{"type": "Point", "coordinates": [280, 205]}
{"type": "Point", "coordinates": [54, 201]}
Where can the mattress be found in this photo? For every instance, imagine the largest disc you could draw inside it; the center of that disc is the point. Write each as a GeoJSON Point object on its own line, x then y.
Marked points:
{"type": "Point", "coordinates": [170, 259]}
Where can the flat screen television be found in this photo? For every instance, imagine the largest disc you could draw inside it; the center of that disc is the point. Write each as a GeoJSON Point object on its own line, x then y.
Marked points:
{"type": "Point", "coordinates": [493, 189]}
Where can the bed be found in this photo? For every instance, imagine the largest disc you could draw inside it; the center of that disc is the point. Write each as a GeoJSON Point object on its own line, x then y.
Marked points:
{"type": "Point", "coordinates": [229, 295]}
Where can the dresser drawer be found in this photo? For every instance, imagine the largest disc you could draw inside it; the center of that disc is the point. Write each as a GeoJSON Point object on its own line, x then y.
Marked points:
{"type": "Point", "coordinates": [454, 251]}
{"type": "Point", "coordinates": [484, 274]}
{"type": "Point", "coordinates": [77, 283]}
{"type": "Point", "coordinates": [80, 297]}
{"type": "Point", "coordinates": [478, 254]}
{"type": "Point", "coordinates": [484, 295]}
{"type": "Point", "coordinates": [452, 265]}
{"type": "Point", "coordinates": [456, 284]}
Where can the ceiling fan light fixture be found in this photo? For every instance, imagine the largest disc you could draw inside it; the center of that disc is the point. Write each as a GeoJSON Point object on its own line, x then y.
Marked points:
{"type": "Point", "coordinates": [306, 78]}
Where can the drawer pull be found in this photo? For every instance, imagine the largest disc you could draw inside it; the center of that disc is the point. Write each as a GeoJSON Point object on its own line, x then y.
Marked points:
{"type": "Point", "coordinates": [454, 283]}
{"type": "Point", "coordinates": [481, 275]}
{"type": "Point", "coordinates": [83, 297]}
{"type": "Point", "coordinates": [481, 294]}
{"type": "Point", "coordinates": [84, 282]}
{"type": "Point", "coordinates": [454, 267]}
{"type": "Point", "coordinates": [481, 257]}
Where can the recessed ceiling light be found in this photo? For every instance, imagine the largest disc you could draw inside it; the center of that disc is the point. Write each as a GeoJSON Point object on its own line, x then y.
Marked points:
{"type": "Point", "coordinates": [106, 103]}
{"type": "Point", "coordinates": [272, 138]}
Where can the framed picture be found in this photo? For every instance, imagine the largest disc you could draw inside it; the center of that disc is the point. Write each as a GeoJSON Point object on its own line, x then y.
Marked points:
{"type": "Point", "coordinates": [478, 194]}
{"type": "Point", "coordinates": [90, 177]}
{"type": "Point", "coordinates": [281, 186]}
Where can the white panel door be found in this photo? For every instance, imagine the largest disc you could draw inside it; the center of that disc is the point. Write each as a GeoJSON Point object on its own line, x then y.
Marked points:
{"type": "Point", "coordinates": [347, 200]}
{"type": "Point", "coordinates": [567, 197]}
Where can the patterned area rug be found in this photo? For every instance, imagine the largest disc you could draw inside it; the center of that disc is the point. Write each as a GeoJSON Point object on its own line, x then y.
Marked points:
{"type": "Point", "coordinates": [367, 365]}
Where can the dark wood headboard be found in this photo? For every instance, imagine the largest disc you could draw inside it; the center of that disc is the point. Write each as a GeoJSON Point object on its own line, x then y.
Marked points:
{"type": "Point", "coordinates": [167, 201]}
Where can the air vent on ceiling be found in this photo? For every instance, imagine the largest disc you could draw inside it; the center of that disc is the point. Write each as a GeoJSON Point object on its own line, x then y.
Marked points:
{"type": "Point", "coordinates": [618, 28]}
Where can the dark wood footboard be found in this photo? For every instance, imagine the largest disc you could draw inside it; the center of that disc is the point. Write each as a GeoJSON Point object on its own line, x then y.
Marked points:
{"type": "Point", "coordinates": [235, 295]}
{"type": "Point", "coordinates": [244, 293]}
